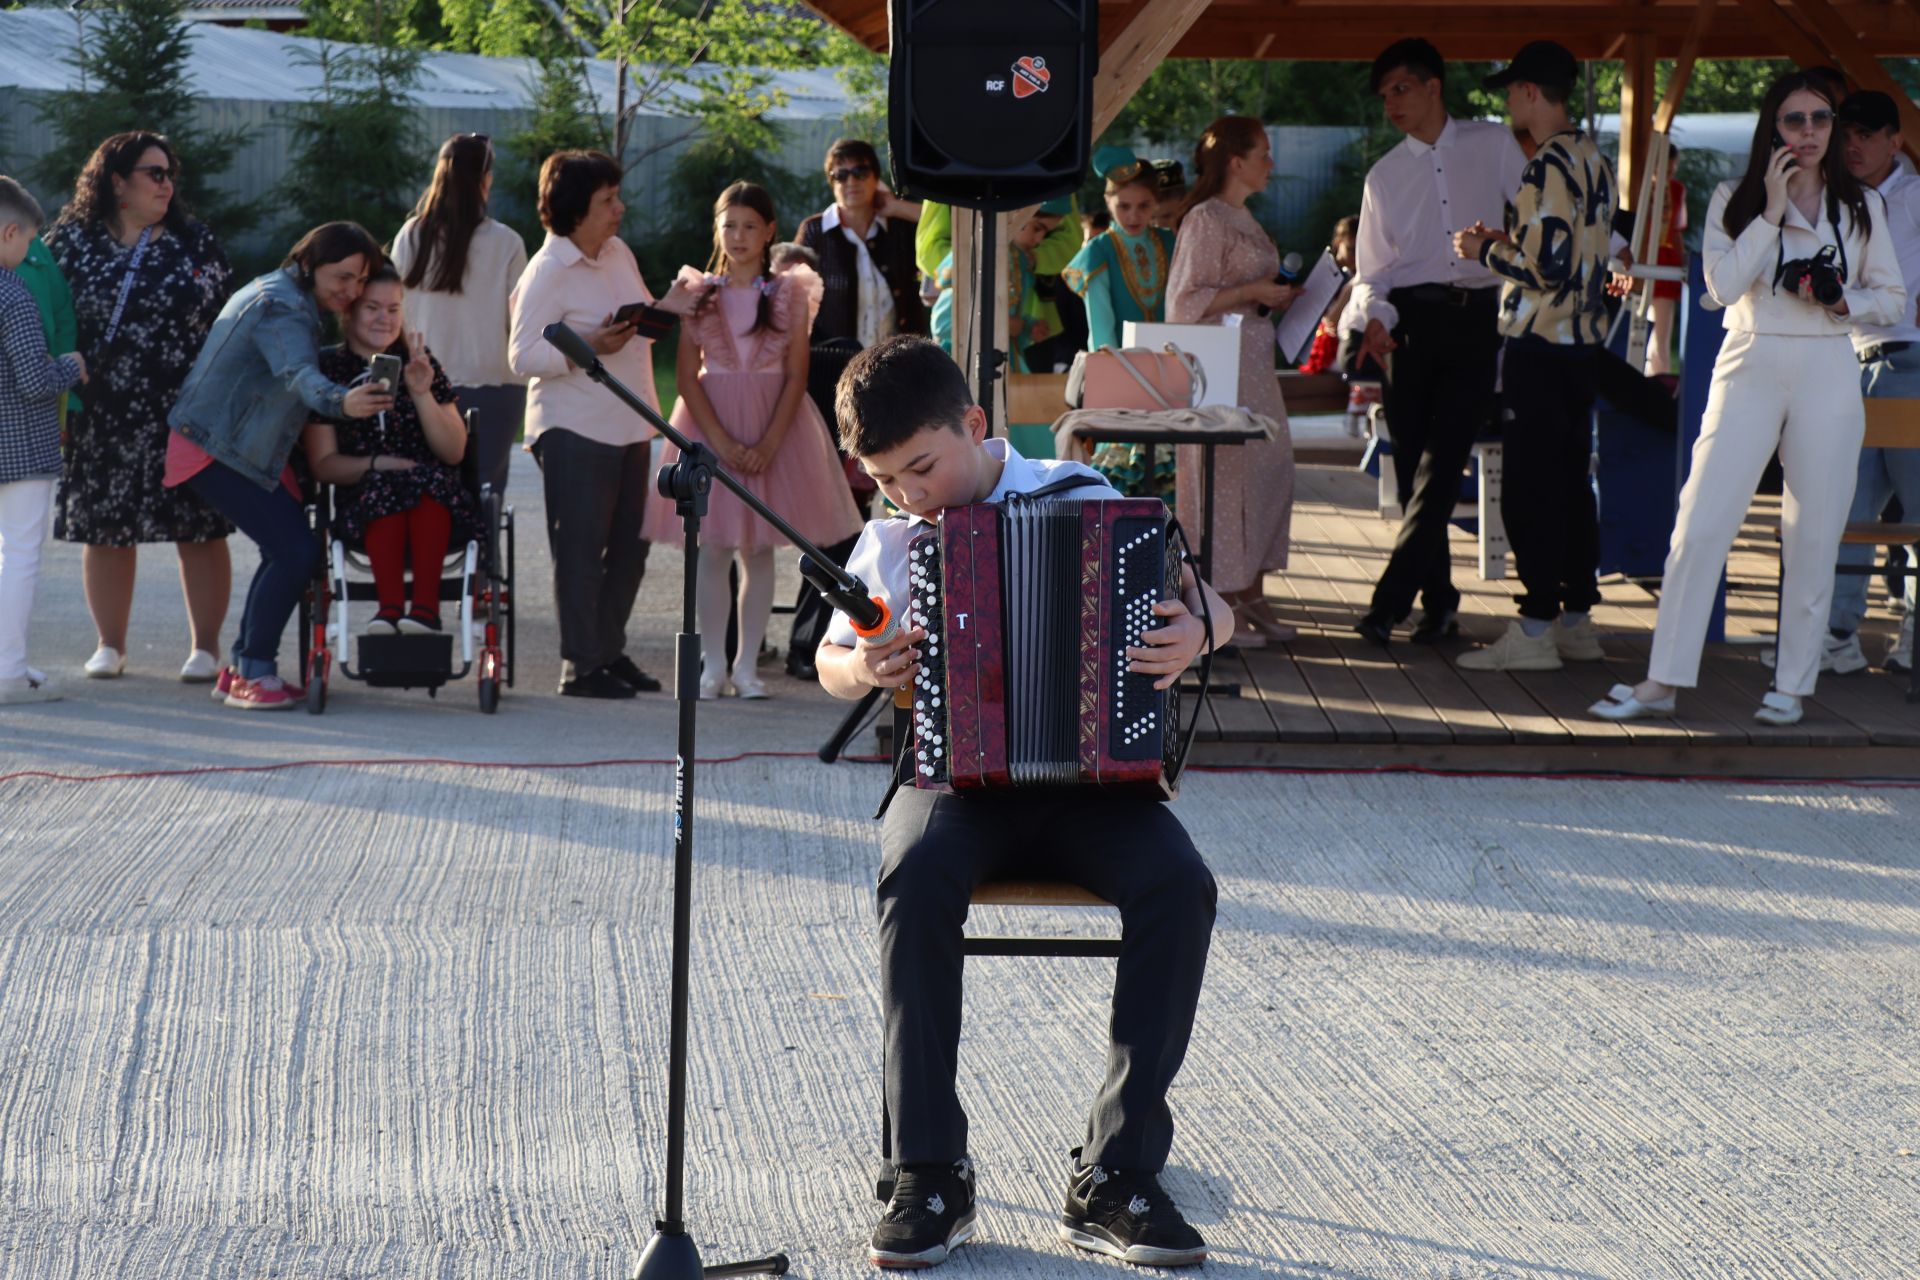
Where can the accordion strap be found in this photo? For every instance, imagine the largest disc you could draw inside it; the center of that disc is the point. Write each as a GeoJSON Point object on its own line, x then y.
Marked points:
{"type": "Point", "coordinates": [1061, 485]}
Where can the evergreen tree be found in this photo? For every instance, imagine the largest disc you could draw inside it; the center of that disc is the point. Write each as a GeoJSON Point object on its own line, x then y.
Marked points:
{"type": "Point", "coordinates": [358, 153]}
{"type": "Point", "coordinates": [562, 116]}
{"type": "Point", "coordinates": [132, 61]}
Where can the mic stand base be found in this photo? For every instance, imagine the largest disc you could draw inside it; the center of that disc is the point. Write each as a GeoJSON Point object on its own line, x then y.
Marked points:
{"type": "Point", "coordinates": [671, 1255]}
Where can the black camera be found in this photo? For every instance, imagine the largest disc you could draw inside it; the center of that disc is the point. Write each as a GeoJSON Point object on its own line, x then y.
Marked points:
{"type": "Point", "coordinates": [1828, 279]}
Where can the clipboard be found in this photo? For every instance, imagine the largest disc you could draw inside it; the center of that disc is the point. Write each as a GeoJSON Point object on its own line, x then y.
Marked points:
{"type": "Point", "coordinates": [1294, 332]}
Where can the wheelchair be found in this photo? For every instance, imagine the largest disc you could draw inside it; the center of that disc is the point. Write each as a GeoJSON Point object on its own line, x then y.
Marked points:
{"type": "Point", "coordinates": [479, 576]}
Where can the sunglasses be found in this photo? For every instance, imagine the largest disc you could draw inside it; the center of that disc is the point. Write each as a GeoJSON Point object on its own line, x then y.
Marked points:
{"type": "Point", "coordinates": [159, 173]}
{"type": "Point", "coordinates": [853, 174]}
{"type": "Point", "coordinates": [1820, 119]}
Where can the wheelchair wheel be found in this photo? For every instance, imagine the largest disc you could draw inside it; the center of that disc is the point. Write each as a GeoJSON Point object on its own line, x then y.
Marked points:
{"type": "Point", "coordinates": [318, 668]}
{"type": "Point", "coordinates": [489, 695]}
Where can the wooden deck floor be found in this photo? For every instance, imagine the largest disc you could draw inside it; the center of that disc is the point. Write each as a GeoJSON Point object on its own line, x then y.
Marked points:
{"type": "Point", "coordinates": [1331, 698]}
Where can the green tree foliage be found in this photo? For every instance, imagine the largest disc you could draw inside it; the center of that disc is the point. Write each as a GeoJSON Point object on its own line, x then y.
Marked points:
{"type": "Point", "coordinates": [358, 152]}
{"type": "Point", "coordinates": [132, 60]}
{"type": "Point", "coordinates": [699, 175]}
{"type": "Point", "coordinates": [563, 118]}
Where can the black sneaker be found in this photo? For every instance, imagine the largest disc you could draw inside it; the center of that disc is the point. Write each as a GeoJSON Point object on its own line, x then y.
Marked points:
{"type": "Point", "coordinates": [929, 1216]}
{"type": "Point", "coordinates": [624, 670]}
{"type": "Point", "coordinates": [1125, 1214]}
{"type": "Point", "coordinates": [1435, 627]}
{"type": "Point", "coordinates": [596, 684]}
{"type": "Point", "coordinates": [1377, 628]}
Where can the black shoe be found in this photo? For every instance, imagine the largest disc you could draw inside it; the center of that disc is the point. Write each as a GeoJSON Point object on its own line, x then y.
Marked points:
{"type": "Point", "coordinates": [623, 670]}
{"type": "Point", "coordinates": [804, 670]}
{"type": "Point", "coordinates": [929, 1216]}
{"type": "Point", "coordinates": [596, 684]}
{"type": "Point", "coordinates": [1377, 628]}
{"type": "Point", "coordinates": [419, 622]}
{"type": "Point", "coordinates": [1435, 627]}
{"type": "Point", "coordinates": [1126, 1215]}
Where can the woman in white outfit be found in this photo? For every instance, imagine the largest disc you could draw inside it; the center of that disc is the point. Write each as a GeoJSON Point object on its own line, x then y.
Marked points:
{"type": "Point", "coordinates": [1786, 379]}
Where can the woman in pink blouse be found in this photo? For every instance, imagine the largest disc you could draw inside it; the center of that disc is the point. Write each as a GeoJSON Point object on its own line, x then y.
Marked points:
{"type": "Point", "coordinates": [1224, 264]}
{"type": "Point", "coordinates": [593, 451]}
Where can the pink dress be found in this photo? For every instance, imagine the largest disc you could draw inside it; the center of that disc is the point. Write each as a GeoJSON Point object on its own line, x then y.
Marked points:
{"type": "Point", "coordinates": [1218, 248]}
{"type": "Point", "coordinates": [743, 374]}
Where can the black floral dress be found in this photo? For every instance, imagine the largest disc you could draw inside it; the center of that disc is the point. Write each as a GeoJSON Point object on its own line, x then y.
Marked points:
{"type": "Point", "coordinates": [110, 491]}
{"type": "Point", "coordinates": [397, 434]}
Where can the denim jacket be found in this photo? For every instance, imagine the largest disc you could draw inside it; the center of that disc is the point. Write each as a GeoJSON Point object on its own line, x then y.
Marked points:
{"type": "Point", "coordinates": [257, 379]}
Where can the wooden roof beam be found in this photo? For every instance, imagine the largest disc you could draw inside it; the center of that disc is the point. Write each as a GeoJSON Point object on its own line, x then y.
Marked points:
{"type": "Point", "coordinates": [1155, 28]}
{"type": "Point", "coordinates": [1861, 66]}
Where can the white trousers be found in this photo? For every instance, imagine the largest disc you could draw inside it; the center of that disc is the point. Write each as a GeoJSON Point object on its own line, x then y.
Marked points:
{"type": "Point", "coordinates": [24, 508]}
{"type": "Point", "coordinates": [1801, 396]}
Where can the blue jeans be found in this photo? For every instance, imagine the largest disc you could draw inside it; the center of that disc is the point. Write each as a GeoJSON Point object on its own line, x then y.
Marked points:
{"type": "Point", "coordinates": [1883, 472]}
{"type": "Point", "coordinates": [289, 557]}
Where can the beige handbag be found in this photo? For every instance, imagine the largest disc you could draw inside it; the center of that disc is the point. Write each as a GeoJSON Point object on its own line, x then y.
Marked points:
{"type": "Point", "coordinates": [1135, 378]}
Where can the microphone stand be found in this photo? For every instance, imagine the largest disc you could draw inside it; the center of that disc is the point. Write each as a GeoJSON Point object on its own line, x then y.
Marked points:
{"type": "Point", "coordinates": [671, 1254]}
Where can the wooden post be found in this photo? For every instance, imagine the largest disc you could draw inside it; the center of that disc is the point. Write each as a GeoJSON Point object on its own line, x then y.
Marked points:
{"type": "Point", "coordinates": [1683, 67]}
{"type": "Point", "coordinates": [1145, 41]}
{"type": "Point", "coordinates": [1854, 58]}
{"type": "Point", "coordinates": [968, 226]}
{"type": "Point", "coordinates": [1636, 109]}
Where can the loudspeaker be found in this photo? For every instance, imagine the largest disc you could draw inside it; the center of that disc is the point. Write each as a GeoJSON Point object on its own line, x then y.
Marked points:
{"type": "Point", "coordinates": [990, 102]}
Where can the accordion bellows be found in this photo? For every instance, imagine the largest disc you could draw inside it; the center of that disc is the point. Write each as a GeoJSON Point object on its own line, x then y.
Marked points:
{"type": "Point", "coordinates": [1029, 610]}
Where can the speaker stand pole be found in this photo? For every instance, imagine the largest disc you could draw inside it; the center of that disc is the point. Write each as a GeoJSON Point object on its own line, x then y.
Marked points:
{"type": "Point", "coordinates": [986, 285]}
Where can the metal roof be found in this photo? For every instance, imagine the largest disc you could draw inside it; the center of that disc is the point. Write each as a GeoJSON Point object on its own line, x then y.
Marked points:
{"type": "Point", "coordinates": [236, 64]}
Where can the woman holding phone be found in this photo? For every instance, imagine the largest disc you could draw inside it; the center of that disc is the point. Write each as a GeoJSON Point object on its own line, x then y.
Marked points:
{"type": "Point", "coordinates": [240, 413]}
{"type": "Point", "coordinates": [400, 494]}
{"type": "Point", "coordinates": [1786, 379]}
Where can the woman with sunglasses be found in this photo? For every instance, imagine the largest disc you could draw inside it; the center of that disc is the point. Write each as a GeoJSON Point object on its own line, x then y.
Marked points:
{"type": "Point", "coordinates": [460, 267]}
{"type": "Point", "coordinates": [1786, 379]}
{"type": "Point", "coordinates": [866, 256]}
{"type": "Point", "coordinates": [147, 282]}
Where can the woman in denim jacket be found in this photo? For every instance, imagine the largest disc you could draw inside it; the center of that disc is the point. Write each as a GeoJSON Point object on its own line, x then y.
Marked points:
{"type": "Point", "coordinates": [251, 390]}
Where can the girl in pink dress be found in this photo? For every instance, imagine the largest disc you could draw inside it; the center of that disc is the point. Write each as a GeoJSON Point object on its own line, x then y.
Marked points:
{"type": "Point", "coordinates": [743, 390]}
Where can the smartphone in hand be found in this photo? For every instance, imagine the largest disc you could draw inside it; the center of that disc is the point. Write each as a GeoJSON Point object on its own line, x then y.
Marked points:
{"type": "Point", "coordinates": [648, 321]}
{"type": "Point", "coordinates": [385, 368]}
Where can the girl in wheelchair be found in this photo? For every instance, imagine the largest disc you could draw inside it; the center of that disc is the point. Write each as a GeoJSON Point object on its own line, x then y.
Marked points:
{"type": "Point", "coordinates": [400, 495]}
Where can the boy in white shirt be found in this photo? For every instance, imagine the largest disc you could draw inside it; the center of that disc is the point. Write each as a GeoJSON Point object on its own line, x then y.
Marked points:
{"type": "Point", "coordinates": [905, 412]}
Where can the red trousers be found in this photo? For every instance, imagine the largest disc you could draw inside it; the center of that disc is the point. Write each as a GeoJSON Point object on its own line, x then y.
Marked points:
{"type": "Point", "coordinates": [424, 532]}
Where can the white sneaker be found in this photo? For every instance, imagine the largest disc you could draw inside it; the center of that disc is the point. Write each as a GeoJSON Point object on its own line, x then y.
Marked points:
{"type": "Point", "coordinates": [1580, 642]}
{"type": "Point", "coordinates": [106, 663]}
{"type": "Point", "coordinates": [1900, 657]}
{"type": "Point", "coordinates": [1779, 709]}
{"type": "Point", "coordinates": [1515, 651]}
{"type": "Point", "coordinates": [28, 688]}
{"type": "Point", "coordinates": [200, 668]}
{"type": "Point", "coordinates": [1840, 657]}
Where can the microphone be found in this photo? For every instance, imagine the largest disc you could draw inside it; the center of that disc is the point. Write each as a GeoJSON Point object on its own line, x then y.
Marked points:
{"type": "Point", "coordinates": [571, 345]}
{"type": "Point", "coordinates": [872, 620]}
{"type": "Point", "coordinates": [1290, 268]}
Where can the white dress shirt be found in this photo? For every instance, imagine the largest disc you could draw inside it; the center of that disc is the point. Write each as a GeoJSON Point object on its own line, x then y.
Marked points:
{"type": "Point", "coordinates": [1739, 271]}
{"type": "Point", "coordinates": [1417, 196]}
{"type": "Point", "coordinates": [875, 315]}
{"type": "Point", "coordinates": [561, 283]}
{"type": "Point", "coordinates": [1901, 191]}
{"type": "Point", "coordinates": [879, 559]}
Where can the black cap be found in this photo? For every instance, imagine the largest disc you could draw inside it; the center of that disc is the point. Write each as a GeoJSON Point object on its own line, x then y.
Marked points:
{"type": "Point", "coordinates": [1871, 110]}
{"type": "Point", "coordinates": [1541, 62]}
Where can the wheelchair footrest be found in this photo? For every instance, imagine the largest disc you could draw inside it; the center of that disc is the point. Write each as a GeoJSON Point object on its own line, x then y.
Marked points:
{"type": "Point", "coordinates": [406, 661]}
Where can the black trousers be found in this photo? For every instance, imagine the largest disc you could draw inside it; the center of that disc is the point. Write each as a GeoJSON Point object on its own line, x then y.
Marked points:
{"type": "Point", "coordinates": [1546, 492]}
{"type": "Point", "coordinates": [596, 498]}
{"type": "Point", "coordinates": [1438, 393]}
{"type": "Point", "coordinates": [935, 847]}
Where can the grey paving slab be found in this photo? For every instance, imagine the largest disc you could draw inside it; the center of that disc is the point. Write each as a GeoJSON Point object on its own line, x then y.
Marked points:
{"type": "Point", "coordinates": [411, 1021]}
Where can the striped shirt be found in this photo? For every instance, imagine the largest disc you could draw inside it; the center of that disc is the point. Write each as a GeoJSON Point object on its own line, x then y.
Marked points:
{"type": "Point", "coordinates": [1553, 264]}
{"type": "Point", "coordinates": [31, 381]}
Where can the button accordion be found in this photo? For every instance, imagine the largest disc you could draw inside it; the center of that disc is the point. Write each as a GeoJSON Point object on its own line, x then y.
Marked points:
{"type": "Point", "coordinates": [1029, 610]}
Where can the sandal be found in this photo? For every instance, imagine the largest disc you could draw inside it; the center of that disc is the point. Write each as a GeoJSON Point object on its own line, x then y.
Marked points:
{"type": "Point", "coordinates": [1620, 704]}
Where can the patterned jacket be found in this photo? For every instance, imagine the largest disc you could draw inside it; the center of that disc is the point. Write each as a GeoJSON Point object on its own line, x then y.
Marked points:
{"type": "Point", "coordinates": [1553, 264]}
{"type": "Point", "coordinates": [31, 381]}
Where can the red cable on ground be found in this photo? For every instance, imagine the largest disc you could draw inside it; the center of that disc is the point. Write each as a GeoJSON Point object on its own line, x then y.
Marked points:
{"type": "Point", "coordinates": [1281, 770]}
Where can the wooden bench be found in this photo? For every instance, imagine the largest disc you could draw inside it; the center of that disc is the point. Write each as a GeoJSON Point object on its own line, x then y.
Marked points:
{"type": "Point", "coordinates": [1006, 893]}
{"type": "Point", "coordinates": [1891, 424]}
